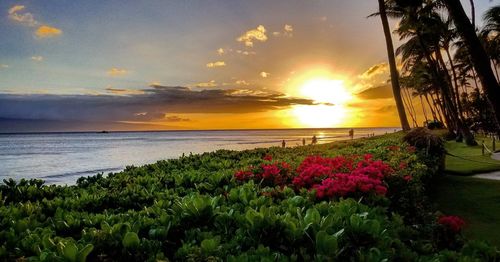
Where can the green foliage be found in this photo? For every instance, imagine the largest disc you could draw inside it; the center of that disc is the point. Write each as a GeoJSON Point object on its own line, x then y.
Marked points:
{"type": "Point", "coordinates": [193, 209]}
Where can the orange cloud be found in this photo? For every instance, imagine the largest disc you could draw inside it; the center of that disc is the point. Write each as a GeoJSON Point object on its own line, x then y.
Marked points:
{"type": "Point", "coordinates": [117, 72]}
{"type": "Point", "coordinates": [216, 64]}
{"type": "Point", "coordinates": [46, 31]}
{"type": "Point", "coordinates": [250, 36]}
{"type": "Point", "coordinates": [264, 74]}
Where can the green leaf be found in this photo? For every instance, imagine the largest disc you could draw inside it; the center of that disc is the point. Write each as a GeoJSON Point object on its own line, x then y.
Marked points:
{"type": "Point", "coordinates": [208, 246]}
{"type": "Point", "coordinates": [312, 217]}
{"type": "Point", "coordinates": [131, 240]}
{"type": "Point", "coordinates": [70, 251]}
{"type": "Point", "coordinates": [326, 244]}
{"type": "Point", "coordinates": [84, 252]}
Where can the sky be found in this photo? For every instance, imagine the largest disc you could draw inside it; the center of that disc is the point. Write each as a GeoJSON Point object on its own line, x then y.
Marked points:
{"type": "Point", "coordinates": [70, 65]}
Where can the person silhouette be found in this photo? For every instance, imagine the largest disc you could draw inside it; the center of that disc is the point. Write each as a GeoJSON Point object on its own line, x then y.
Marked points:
{"type": "Point", "coordinates": [303, 141]}
{"type": "Point", "coordinates": [351, 133]}
{"type": "Point", "coordinates": [283, 143]}
{"type": "Point", "coordinates": [314, 140]}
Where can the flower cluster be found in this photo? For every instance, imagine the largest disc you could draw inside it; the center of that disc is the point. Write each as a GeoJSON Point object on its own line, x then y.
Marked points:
{"type": "Point", "coordinates": [341, 185]}
{"type": "Point", "coordinates": [453, 223]}
{"type": "Point", "coordinates": [268, 174]}
{"type": "Point", "coordinates": [329, 176]}
{"type": "Point", "coordinates": [315, 168]}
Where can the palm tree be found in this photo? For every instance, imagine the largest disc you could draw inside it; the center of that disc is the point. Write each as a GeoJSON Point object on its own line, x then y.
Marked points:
{"type": "Point", "coordinates": [396, 89]}
{"type": "Point", "coordinates": [478, 55]}
{"type": "Point", "coordinates": [421, 23]}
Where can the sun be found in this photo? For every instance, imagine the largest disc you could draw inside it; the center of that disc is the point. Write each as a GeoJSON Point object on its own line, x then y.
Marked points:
{"type": "Point", "coordinates": [330, 97]}
{"type": "Point", "coordinates": [323, 90]}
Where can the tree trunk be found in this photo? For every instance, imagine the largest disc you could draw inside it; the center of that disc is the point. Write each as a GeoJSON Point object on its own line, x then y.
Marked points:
{"type": "Point", "coordinates": [396, 89]}
{"type": "Point", "coordinates": [434, 116]}
{"type": "Point", "coordinates": [455, 79]}
{"type": "Point", "coordinates": [478, 55]}
{"type": "Point", "coordinates": [423, 108]}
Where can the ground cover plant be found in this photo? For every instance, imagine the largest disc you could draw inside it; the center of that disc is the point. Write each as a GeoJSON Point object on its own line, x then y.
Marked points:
{"type": "Point", "coordinates": [361, 200]}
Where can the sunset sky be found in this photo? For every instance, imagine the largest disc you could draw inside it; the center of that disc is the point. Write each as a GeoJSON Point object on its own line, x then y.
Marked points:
{"type": "Point", "coordinates": [70, 65]}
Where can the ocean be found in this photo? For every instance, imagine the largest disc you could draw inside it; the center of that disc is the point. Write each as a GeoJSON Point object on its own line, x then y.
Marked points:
{"type": "Point", "coordinates": [61, 158]}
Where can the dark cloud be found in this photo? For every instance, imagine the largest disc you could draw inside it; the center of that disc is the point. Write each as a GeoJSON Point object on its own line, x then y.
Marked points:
{"type": "Point", "coordinates": [148, 104]}
{"type": "Point", "coordinates": [375, 70]}
{"type": "Point", "coordinates": [378, 92]}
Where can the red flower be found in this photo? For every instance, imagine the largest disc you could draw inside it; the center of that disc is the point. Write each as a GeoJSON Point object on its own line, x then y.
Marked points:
{"type": "Point", "coordinates": [268, 158]}
{"type": "Point", "coordinates": [407, 178]}
{"type": "Point", "coordinates": [243, 175]}
{"type": "Point", "coordinates": [453, 223]}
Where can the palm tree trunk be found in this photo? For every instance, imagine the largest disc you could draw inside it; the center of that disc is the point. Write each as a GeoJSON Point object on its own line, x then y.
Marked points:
{"type": "Point", "coordinates": [423, 108]}
{"type": "Point", "coordinates": [396, 89]}
{"type": "Point", "coordinates": [412, 108]}
{"type": "Point", "coordinates": [455, 79]}
{"type": "Point", "coordinates": [478, 55]}
{"type": "Point", "coordinates": [439, 109]}
{"type": "Point", "coordinates": [408, 106]}
{"type": "Point", "coordinates": [434, 116]}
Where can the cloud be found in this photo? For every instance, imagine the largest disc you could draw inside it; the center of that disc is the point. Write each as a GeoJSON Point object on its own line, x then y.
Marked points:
{"type": "Point", "coordinates": [17, 15]}
{"type": "Point", "coordinates": [242, 82]}
{"type": "Point", "coordinates": [387, 109]}
{"type": "Point", "coordinates": [210, 83]}
{"type": "Point", "coordinates": [378, 92]}
{"type": "Point", "coordinates": [220, 51]}
{"type": "Point", "coordinates": [117, 72]}
{"type": "Point", "coordinates": [37, 58]}
{"type": "Point", "coordinates": [375, 70]}
{"type": "Point", "coordinates": [264, 74]}
{"type": "Point", "coordinates": [46, 31]}
{"type": "Point", "coordinates": [153, 103]}
{"type": "Point", "coordinates": [119, 91]}
{"type": "Point", "coordinates": [246, 52]}
{"type": "Point", "coordinates": [287, 31]}
{"type": "Point", "coordinates": [257, 34]}
{"type": "Point", "coordinates": [175, 119]}
{"type": "Point", "coordinates": [216, 64]}
{"type": "Point", "coordinates": [3, 66]}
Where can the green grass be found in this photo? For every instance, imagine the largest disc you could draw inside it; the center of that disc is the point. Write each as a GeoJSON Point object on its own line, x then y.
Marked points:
{"type": "Point", "coordinates": [470, 160]}
{"type": "Point", "coordinates": [476, 200]}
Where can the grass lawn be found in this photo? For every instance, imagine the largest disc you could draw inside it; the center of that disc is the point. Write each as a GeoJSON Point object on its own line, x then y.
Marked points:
{"type": "Point", "coordinates": [476, 200]}
{"type": "Point", "coordinates": [470, 159]}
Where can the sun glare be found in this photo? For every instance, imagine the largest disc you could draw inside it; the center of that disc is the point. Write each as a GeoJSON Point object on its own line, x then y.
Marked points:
{"type": "Point", "coordinates": [330, 96]}
{"type": "Point", "coordinates": [324, 90]}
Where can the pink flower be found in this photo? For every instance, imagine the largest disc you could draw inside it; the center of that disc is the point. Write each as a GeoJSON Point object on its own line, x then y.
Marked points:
{"type": "Point", "coordinates": [407, 178]}
{"type": "Point", "coordinates": [268, 158]}
{"type": "Point", "coordinates": [453, 223]}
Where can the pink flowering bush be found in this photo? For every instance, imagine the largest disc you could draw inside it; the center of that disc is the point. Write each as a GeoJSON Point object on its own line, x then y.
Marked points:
{"type": "Point", "coordinates": [331, 177]}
